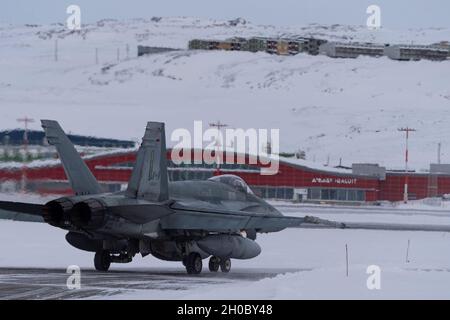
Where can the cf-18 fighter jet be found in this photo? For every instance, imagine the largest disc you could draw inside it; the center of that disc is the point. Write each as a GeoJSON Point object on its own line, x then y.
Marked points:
{"type": "Point", "coordinates": [185, 221]}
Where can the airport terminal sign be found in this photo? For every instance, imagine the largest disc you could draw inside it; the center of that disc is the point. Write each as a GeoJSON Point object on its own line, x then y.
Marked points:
{"type": "Point", "coordinates": [344, 181]}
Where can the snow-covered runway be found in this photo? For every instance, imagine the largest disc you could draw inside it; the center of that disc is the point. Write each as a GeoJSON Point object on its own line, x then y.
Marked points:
{"type": "Point", "coordinates": [294, 263]}
{"type": "Point", "coordinates": [42, 283]}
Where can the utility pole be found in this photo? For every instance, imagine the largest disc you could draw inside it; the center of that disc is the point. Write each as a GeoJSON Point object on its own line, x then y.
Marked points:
{"type": "Point", "coordinates": [219, 127]}
{"type": "Point", "coordinates": [346, 259]}
{"type": "Point", "coordinates": [407, 130]}
{"type": "Point", "coordinates": [56, 49]}
{"type": "Point", "coordinates": [439, 153]}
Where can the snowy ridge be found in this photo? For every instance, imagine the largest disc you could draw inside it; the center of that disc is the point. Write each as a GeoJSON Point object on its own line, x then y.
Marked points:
{"type": "Point", "coordinates": [330, 108]}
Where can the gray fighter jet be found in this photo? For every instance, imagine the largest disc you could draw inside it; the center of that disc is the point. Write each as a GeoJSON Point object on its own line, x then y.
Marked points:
{"type": "Point", "coordinates": [184, 221]}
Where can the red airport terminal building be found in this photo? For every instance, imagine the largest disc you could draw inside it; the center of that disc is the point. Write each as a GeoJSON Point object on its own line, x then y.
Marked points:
{"type": "Point", "coordinates": [296, 179]}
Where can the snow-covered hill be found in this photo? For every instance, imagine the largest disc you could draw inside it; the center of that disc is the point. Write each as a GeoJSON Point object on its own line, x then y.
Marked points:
{"type": "Point", "coordinates": [334, 108]}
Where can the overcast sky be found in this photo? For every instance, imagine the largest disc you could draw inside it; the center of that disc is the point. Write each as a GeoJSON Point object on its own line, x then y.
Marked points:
{"type": "Point", "coordinates": [395, 13]}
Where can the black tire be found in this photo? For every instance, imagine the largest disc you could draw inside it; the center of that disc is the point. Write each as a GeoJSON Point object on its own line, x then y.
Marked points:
{"type": "Point", "coordinates": [214, 264]}
{"type": "Point", "coordinates": [102, 260]}
{"type": "Point", "coordinates": [194, 263]}
{"type": "Point", "coordinates": [225, 265]}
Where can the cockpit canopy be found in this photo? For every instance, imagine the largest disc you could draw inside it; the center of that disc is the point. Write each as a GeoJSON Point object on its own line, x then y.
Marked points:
{"type": "Point", "coordinates": [235, 182]}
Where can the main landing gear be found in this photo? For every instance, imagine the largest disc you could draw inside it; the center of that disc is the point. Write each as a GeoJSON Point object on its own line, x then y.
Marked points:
{"type": "Point", "coordinates": [193, 263]}
{"type": "Point", "coordinates": [216, 262]}
{"type": "Point", "coordinates": [103, 259]}
{"type": "Point", "coordinates": [225, 265]}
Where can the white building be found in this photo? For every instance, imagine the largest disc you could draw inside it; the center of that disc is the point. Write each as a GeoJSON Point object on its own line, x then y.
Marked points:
{"type": "Point", "coordinates": [351, 50]}
{"type": "Point", "coordinates": [416, 52]}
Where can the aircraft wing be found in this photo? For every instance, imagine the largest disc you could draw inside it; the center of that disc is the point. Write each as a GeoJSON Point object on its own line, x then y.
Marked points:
{"type": "Point", "coordinates": [317, 223]}
{"type": "Point", "coordinates": [20, 211]}
{"type": "Point", "coordinates": [197, 219]}
{"type": "Point", "coordinates": [217, 221]}
{"type": "Point", "coordinates": [225, 221]}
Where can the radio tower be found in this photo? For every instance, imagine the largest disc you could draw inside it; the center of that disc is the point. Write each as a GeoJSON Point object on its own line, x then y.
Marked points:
{"type": "Point", "coordinates": [26, 121]}
{"type": "Point", "coordinates": [407, 130]}
{"type": "Point", "coordinates": [219, 127]}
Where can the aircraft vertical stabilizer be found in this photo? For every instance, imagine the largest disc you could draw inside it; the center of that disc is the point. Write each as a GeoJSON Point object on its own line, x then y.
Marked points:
{"type": "Point", "coordinates": [149, 179]}
{"type": "Point", "coordinates": [80, 177]}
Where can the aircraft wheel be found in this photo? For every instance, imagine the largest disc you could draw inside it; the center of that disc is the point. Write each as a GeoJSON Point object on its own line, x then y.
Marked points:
{"type": "Point", "coordinates": [194, 263]}
{"type": "Point", "coordinates": [225, 265]}
{"type": "Point", "coordinates": [102, 260]}
{"type": "Point", "coordinates": [214, 264]}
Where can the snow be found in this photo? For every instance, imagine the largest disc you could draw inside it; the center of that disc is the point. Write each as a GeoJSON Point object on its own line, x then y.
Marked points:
{"type": "Point", "coordinates": [336, 108]}
{"type": "Point", "coordinates": [27, 197]}
{"type": "Point", "coordinates": [319, 253]}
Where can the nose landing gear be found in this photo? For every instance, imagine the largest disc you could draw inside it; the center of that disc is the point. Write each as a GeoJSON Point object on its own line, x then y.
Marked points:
{"type": "Point", "coordinates": [102, 260]}
{"type": "Point", "coordinates": [193, 263]}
